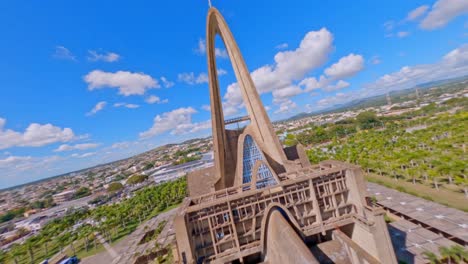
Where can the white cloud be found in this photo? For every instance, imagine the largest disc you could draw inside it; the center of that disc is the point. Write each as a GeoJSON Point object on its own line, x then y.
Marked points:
{"type": "Point", "coordinates": [128, 83]}
{"type": "Point", "coordinates": [178, 121]}
{"type": "Point", "coordinates": [166, 82]}
{"type": "Point", "coordinates": [121, 145]}
{"type": "Point", "coordinates": [221, 72]}
{"type": "Point", "coordinates": [191, 127]}
{"type": "Point", "coordinates": [107, 57]}
{"type": "Point", "coordinates": [153, 99]}
{"type": "Point", "coordinates": [63, 53]}
{"type": "Point", "coordinates": [130, 106]}
{"type": "Point", "coordinates": [375, 60]}
{"type": "Point", "coordinates": [98, 107]}
{"type": "Point", "coordinates": [201, 50]}
{"type": "Point", "coordinates": [190, 78]}
{"type": "Point", "coordinates": [14, 164]}
{"type": "Point", "coordinates": [402, 34]}
{"type": "Point", "coordinates": [311, 83]}
{"type": "Point", "coordinates": [337, 86]}
{"type": "Point", "coordinates": [389, 25]}
{"type": "Point", "coordinates": [286, 92]}
{"type": "Point", "coordinates": [35, 135]}
{"type": "Point", "coordinates": [289, 66]}
{"type": "Point", "coordinates": [453, 64]}
{"type": "Point", "coordinates": [442, 12]}
{"type": "Point", "coordinates": [84, 146]}
{"type": "Point", "coordinates": [282, 46]}
{"type": "Point", "coordinates": [286, 107]}
{"type": "Point", "coordinates": [12, 161]}
{"type": "Point", "coordinates": [85, 155]}
{"type": "Point", "coordinates": [417, 12]}
{"type": "Point", "coordinates": [346, 67]}
{"type": "Point", "coordinates": [206, 108]}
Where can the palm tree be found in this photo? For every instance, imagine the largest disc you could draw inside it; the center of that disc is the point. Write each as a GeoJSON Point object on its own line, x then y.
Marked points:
{"type": "Point", "coordinates": [45, 240]}
{"type": "Point", "coordinates": [431, 257]}
{"type": "Point", "coordinates": [3, 256]}
{"type": "Point", "coordinates": [446, 254]}
{"type": "Point", "coordinates": [460, 252]}
{"type": "Point", "coordinates": [15, 252]}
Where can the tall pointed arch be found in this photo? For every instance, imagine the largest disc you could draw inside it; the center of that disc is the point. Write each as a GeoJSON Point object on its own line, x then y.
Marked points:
{"type": "Point", "coordinates": [261, 125]}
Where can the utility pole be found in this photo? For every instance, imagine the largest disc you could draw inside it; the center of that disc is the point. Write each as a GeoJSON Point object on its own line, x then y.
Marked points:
{"type": "Point", "coordinates": [389, 100]}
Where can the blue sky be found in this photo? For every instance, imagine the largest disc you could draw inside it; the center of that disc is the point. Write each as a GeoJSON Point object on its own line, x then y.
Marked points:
{"type": "Point", "coordinates": [87, 82]}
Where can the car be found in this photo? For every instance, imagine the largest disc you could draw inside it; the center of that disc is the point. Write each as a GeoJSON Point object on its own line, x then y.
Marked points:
{"type": "Point", "coordinates": [70, 260]}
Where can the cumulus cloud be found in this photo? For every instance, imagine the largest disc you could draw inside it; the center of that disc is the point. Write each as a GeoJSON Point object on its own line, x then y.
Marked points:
{"type": "Point", "coordinates": [206, 108]}
{"type": "Point", "coordinates": [106, 56]}
{"type": "Point", "coordinates": [201, 50]}
{"type": "Point", "coordinates": [289, 66]}
{"type": "Point", "coordinates": [166, 82]}
{"type": "Point", "coordinates": [128, 83]}
{"type": "Point", "coordinates": [442, 12]}
{"type": "Point", "coordinates": [13, 161]}
{"type": "Point", "coordinates": [375, 60]}
{"type": "Point", "coordinates": [98, 107]}
{"type": "Point", "coordinates": [311, 83]}
{"type": "Point", "coordinates": [286, 92]}
{"type": "Point", "coordinates": [14, 164]}
{"type": "Point", "coordinates": [84, 146]}
{"type": "Point", "coordinates": [178, 121]}
{"type": "Point", "coordinates": [121, 145]}
{"type": "Point", "coordinates": [417, 12]}
{"type": "Point", "coordinates": [35, 135]}
{"type": "Point", "coordinates": [346, 67]}
{"type": "Point", "coordinates": [153, 99]}
{"type": "Point", "coordinates": [130, 106]}
{"type": "Point", "coordinates": [453, 64]}
{"type": "Point", "coordinates": [286, 107]}
{"type": "Point", "coordinates": [282, 46]}
{"type": "Point", "coordinates": [389, 25]}
{"type": "Point", "coordinates": [337, 86]}
{"type": "Point", "coordinates": [84, 155]}
{"type": "Point", "coordinates": [221, 72]}
{"type": "Point", "coordinates": [402, 34]}
{"type": "Point", "coordinates": [63, 53]}
{"type": "Point", "coordinates": [190, 78]}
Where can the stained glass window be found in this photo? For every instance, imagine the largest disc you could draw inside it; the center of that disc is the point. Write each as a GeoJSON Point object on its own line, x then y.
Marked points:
{"type": "Point", "coordinates": [251, 154]}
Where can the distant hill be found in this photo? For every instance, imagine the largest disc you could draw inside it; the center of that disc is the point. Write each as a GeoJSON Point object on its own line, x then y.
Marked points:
{"type": "Point", "coordinates": [379, 100]}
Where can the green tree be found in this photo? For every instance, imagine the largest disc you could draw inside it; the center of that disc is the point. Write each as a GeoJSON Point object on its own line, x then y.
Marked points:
{"type": "Point", "coordinates": [114, 187]}
{"type": "Point", "coordinates": [431, 257]}
{"type": "Point", "coordinates": [367, 120]}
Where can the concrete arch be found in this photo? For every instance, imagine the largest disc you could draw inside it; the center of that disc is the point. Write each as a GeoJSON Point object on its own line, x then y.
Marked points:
{"type": "Point", "coordinates": [240, 157]}
{"type": "Point", "coordinates": [285, 212]}
{"type": "Point", "coordinates": [257, 165]}
{"type": "Point", "coordinates": [268, 142]}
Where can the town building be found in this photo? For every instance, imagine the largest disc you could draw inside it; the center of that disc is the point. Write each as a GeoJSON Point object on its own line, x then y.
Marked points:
{"type": "Point", "coordinates": [63, 196]}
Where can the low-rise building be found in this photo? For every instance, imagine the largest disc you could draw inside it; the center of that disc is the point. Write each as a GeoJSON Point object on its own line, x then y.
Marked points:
{"type": "Point", "coordinates": [63, 196]}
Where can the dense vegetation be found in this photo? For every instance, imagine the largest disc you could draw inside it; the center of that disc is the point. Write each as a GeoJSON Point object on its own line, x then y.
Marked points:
{"type": "Point", "coordinates": [454, 254]}
{"type": "Point", "coordinates": [426, 147]}
{"type": "Point", "coordinates": [114, 187]}
{"type": "Point", "coordinates": [434, 150]}
{"type": "Point", "coordinates": [137, 178]}
{"type": "Point", "coordinates": [78, 229]}
{"type": "Point", "coordinates": [82, 192]}
{"type": "Point", "coordinates": [18, 212]}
